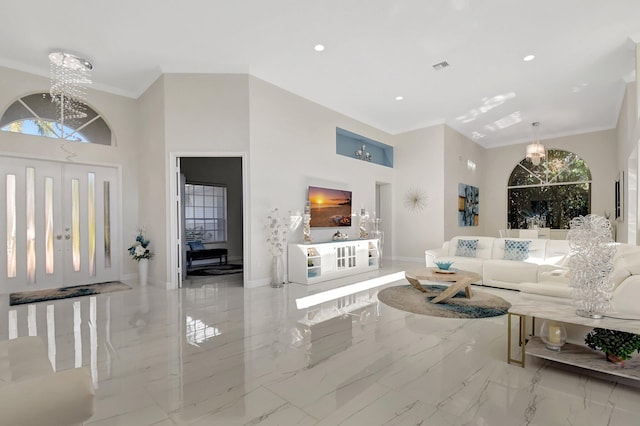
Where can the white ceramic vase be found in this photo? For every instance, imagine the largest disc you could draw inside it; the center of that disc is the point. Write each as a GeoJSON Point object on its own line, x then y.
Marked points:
{"type": "Point", "coordinates": [143, 271]}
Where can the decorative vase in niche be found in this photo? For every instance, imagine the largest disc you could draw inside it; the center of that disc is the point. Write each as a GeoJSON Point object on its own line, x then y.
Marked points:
{"type": "Point", "coordinates": [553, 334]}
{"type": "Point", "coordinates": [143, 271]}
{"type": "Point", "coordinates": [277, 271]}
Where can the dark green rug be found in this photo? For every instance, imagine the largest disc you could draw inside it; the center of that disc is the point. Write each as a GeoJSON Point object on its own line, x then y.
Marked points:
{"type": "Point", "coordinates": [407, 298]}
{"type": "Point", "coordinates": [35, 296]}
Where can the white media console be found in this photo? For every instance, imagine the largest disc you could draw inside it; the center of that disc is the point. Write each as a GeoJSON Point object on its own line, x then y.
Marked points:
{"type": "Point", "coordinates": [316, 262]}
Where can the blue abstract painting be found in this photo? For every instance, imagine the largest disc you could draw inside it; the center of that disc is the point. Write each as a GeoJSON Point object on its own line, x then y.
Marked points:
{"type": "Point", "coordinates": [468, 205]}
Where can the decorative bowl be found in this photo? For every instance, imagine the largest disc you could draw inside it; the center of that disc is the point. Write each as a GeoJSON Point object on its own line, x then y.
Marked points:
{"type": "Point", "coordinates": [443, 265]}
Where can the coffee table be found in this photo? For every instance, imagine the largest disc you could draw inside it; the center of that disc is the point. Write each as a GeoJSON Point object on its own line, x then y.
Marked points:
{"type": "Point", "coordinates": [459, 279]}
{"type": "Point", "coordinates": [570, 354]}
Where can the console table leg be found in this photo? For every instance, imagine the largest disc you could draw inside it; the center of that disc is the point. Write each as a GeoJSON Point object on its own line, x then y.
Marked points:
{"type": "Point", "coordinates": [521, 339]}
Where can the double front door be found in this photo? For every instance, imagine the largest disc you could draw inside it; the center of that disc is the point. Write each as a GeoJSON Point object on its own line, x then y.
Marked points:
{"type": "Point", "coordinates": [58, 224]}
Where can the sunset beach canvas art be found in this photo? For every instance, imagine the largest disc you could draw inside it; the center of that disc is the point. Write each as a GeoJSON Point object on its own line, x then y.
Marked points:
{"type": "Point", "coordinates": [329, 207]}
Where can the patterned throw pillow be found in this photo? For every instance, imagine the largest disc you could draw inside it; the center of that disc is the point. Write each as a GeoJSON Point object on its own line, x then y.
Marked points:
{"type": "Point", "coordinates": [467, 248]}
{"type": "Point", "coordinates": [516, 250]}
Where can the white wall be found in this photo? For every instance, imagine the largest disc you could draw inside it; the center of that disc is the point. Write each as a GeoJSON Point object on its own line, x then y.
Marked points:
{"type": "Point", "coordinates": [151, 165]}
{"type": "Point", "coordinates": [419, 163]}
{"type": "Point", "coordinates": [626, 148]}
{"type": "Point", "coordinates": [203, 115]}
{"type": "Point", "coordinates": [597, 149]}
{"type": "Point", "coordinates": [293, 145]}
{"type": "Point", "coordinates": [457, 150]}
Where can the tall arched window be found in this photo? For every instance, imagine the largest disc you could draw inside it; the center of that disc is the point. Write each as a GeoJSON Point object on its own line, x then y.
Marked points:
{"type": "Point", "coordinates": [551, 193]}
{"type": "Point", "coordinates": [36, 115]}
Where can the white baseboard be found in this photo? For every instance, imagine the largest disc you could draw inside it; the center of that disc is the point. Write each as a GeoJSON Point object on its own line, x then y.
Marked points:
{"type": "Point", "coordinates": [408, 259]}
{"type": "Point", "coordinates": [261, 282]}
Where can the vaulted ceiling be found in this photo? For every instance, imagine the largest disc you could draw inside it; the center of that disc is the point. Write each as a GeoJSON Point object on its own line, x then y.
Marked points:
{"type": "Point", "coordinates": [375, 51]}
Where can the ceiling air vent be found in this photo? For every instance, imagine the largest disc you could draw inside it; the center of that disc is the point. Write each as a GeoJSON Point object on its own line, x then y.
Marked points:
{"type": "Point", "coordinates": [440, 65]}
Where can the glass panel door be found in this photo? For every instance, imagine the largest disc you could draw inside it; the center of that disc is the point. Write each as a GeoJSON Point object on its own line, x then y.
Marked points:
{"type": "Point", "coordinates": [91, 220]}
{"type": "Point", "coordinates": [30, 214]}
{"type": "Point", "coordinates": [58, 223]}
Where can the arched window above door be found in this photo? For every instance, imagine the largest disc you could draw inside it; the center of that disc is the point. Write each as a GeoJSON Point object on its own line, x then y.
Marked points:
{"type": "Point", "coordinates": [551, 193]}
{"type": "Point", "coordinates": [36, 115]}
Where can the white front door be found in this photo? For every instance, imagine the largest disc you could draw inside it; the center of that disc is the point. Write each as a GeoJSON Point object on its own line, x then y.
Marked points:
{"type": "Point", "coordinates": [59, 224]}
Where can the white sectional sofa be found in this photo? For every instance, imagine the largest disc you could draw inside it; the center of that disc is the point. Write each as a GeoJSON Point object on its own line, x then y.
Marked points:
{"type": "Point", "coordinates": [544, 273]}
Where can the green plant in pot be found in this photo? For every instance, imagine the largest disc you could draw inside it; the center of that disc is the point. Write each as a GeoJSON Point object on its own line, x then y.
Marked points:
{"type": "Point", "coordinates": [617, 345]}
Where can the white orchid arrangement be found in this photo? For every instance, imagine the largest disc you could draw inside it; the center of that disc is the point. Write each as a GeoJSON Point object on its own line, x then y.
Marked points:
{"type": "Point", "coordinates": [277, 227]}
{"type": "Point", "coordinates": [140, 249]}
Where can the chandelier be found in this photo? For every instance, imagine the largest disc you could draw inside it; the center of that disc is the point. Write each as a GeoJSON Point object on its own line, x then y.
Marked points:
{"type": "Point", "coordinates": [69, 76]}
{"type": "Point", "coordinates": [535, 150]}
{"type": "Point", "coordinates": [363, 154]}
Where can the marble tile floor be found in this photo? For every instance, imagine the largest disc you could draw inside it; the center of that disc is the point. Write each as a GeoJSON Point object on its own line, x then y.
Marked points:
{"type": "Point", "coordinates": [213, 353]}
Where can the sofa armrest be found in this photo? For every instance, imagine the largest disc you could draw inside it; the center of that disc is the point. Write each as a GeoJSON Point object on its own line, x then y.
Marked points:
{"type": "Point", "coordinates": [432, 255]}
{"type": "Point", "coordinates": [63, 398]}
{"type": "Point", "coordinates": [625, 298]}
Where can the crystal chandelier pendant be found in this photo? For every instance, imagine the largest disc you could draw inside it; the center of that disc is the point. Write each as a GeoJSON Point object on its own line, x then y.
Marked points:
{"type": "Point", "coordinates": [69, 76]}
{"type": "Point", "coordinates": [535, 150]}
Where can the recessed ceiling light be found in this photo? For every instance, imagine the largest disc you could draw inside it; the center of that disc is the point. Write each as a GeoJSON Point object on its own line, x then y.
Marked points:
{"type": "Point", "coordinates": [529, 58]}
{"type": "Point", "coordinates": [319, 47]}
{"type": "Point", "coordinates": [399, 98]}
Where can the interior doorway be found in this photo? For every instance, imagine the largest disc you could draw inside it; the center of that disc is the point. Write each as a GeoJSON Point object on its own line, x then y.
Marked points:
{"type": "Point", "coordinates": [210, 219]}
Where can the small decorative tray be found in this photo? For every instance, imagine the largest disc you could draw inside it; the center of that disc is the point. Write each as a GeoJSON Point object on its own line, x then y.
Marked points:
{"type": "Point", "coordinates": [445, 271]}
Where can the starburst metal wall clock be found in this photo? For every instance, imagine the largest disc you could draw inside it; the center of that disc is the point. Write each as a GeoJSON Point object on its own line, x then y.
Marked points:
{"type": "Point", "coordinates": [415, 199]}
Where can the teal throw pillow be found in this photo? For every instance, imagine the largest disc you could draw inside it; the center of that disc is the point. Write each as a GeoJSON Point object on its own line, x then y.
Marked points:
{"type": "Point", "coordinates": [467, 248]}
{"type": "Point", "coordinates": [196, 245]}
{"type": "Point", "coordinates": [516, 250]}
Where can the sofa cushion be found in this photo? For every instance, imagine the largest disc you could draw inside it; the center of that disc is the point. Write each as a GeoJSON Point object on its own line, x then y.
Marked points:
{"type": "Point", "coordinates": [553, 273]}
{"type": "Point", "coordinates": [467, 248]}
{"type": "Point", "coordinates": [498, 271]}
{"type": "Point", "coordinates": [557, 253]}
{"type": "Point", "coordinates": [547, 288]}
{"type": "Point", "coordinates": [516, 249]}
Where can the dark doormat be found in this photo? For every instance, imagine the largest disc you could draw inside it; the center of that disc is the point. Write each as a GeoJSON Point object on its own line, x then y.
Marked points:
{"type": "Point", "coordinates": [216, 270]}
{"type": "Point", "coordinates": [34, 296]}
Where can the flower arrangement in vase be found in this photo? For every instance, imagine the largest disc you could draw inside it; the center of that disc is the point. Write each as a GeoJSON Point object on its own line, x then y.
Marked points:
{"type": "Point", "coordinates": [140, 249]}
{"type": "Point", "coordinates": [277, 227]}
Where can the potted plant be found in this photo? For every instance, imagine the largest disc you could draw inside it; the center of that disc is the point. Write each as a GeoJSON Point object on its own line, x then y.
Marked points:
{"type": "Point", "coordinates": [617, 345]}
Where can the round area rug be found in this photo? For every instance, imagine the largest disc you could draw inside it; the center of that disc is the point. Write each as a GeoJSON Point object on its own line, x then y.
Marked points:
{"type": "Point", "coordinates": [407, 298]}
